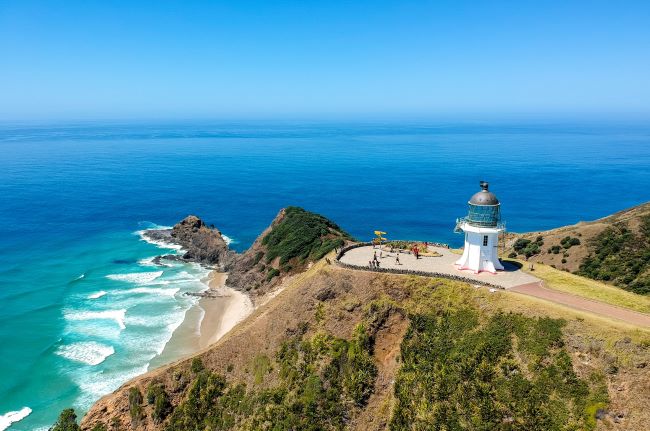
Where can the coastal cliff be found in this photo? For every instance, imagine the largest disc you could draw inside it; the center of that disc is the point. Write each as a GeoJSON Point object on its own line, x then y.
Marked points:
{"type": "Point", "coordinates": [343, 349]}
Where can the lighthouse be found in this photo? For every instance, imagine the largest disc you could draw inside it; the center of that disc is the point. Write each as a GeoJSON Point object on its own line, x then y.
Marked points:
{"type": "Point", "coordinates": [481, 227]}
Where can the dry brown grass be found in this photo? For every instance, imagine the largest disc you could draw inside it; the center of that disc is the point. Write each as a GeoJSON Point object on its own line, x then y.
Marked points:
{"type": "Point", "coordinates": [596, 344]}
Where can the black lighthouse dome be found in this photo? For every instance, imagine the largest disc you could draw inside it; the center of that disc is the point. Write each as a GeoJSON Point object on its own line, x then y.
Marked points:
{"type": "Point", "coordinates": [484, 197]}
{"type": "Point", "coordinates": [484, 209]}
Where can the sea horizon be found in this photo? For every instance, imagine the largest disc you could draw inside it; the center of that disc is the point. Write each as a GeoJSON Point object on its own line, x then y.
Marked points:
{"type": "Point", "coordinates": [78, 283]}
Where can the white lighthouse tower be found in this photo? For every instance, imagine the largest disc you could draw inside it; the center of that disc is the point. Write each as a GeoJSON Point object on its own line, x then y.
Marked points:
{"type": "Point", "coordinates": [481, 227]}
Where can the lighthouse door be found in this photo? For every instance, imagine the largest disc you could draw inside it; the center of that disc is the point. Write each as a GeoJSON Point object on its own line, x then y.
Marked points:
{"type": "Point", "coordinates": [485, 258]}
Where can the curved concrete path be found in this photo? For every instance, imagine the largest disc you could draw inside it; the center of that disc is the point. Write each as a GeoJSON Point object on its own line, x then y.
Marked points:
{"type": "Point", "coordinates": [538, 290]}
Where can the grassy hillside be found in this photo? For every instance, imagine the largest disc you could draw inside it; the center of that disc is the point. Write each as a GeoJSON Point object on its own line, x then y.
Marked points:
{"type": "Point", "coordinates": [341, 349]}
{"type": "Point", "coordinates": [615, 249]}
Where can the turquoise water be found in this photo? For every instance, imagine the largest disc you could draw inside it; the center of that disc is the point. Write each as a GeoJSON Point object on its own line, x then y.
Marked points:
{"type": "Point", "coordinates": [75, 197]}
{"type": "Point", "coordinates": [85, 317]}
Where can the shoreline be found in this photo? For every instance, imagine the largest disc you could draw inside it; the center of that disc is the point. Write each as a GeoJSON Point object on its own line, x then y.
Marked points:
{"type": "Point", "coordinates": [206, 321]}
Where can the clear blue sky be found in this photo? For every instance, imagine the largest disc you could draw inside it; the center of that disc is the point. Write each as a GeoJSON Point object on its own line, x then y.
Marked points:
{"type": "Point", "coordinates": [267, 59]}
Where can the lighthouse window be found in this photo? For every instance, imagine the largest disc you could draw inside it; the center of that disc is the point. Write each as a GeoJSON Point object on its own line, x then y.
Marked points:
{"type": "Point", "coordinates": [485, 240]}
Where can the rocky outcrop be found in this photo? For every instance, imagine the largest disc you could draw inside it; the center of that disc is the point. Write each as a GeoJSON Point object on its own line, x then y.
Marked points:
{"type": "Point", "coordinates": [203, 244]}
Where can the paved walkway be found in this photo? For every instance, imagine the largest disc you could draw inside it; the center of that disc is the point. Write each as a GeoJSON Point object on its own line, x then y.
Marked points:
{"type": "Point", "coordinates": [538, 290]}
{"type": "Point", "coordinates": [444, 264]}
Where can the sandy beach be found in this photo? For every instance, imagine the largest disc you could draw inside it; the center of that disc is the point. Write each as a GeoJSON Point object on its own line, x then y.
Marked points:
{"type": "Point", "coordinates": [205, 323]}
{"type": "Point", "coordinates": [222, 312]}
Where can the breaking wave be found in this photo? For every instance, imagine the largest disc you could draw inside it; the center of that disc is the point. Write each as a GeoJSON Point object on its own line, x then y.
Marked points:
{"type": "Point", "coordinates": [98, 383]}
{"type": "Point", "coordinates": [8, 418]}
{"type": "Point", "coordinates": [87, 352]}
{"type": "Point", "coordinates": [117, 315]}
{"type": "Point", "coordinates": [136, 277]}
{"type": "Point", "coordinates": [159, 243]}
{"type": "Point", "coordinates": [171, 292]}
{"type": "Point", "coordinates": [97, 294]}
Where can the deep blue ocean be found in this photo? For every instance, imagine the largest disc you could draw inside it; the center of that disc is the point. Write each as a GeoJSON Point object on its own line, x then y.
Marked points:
{"type": "Point", "coordinates": [82, 308]}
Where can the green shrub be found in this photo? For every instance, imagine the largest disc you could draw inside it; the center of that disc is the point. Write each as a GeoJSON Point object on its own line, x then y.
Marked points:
{"type": "Point", "coordinates": [527, 247]}
{"type": "Point", "coordinates": [261, 367]}
{"type": "Point", "coordinates": [272, 273]}
{"type": "Point", "coordinates": [99, 427]}
{"type": "Point", "coordinates": [568, 242]}
{"type": "Point", "coordinates": [135, 406]}
{"type": "Point", "coordinates": [197, 365]}
{"type": "Point", "coordinates": [520, 244]}
{"type": "Point", "coordinates": [151, 393]}
{"type": "Point", "coordinates": [509, 373]}
{"type": "Point", "coordinates": [67, 421]}
{"type": "Point", "coordinates": [161, 408]}
{"type": "Point", "coordinates": [157, 397]}
{"type": "Point", "coordinates": [116, 424]}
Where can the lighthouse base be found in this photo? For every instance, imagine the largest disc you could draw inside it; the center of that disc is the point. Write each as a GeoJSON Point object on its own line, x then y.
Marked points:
{"type": "Point", "coordinates": [480, 252]}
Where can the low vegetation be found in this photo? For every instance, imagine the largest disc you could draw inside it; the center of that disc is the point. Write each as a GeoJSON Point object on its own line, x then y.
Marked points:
{"type": "Point", "coordinates": [527, 247]}
{"type": "Point", "coordinates": [135, 406]}
{"type": "Point", "coordinates": [509, 373]}
{"type": "Point", "coordinates": [621, 257]}
{"type": "Point", "coordinates": [323, 380]}
{"type": "Point", "coordinates": [67, 421]}
{"type": "Point", "coordinates": [158, 398]}
{"type": "Point", "coordinates": [272, 273]}
{"type": "Point", "coordinates": [567, 242]}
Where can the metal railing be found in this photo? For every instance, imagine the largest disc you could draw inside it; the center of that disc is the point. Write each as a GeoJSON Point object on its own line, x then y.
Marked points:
{"type": "Point", "coordinates": [479, 223]}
